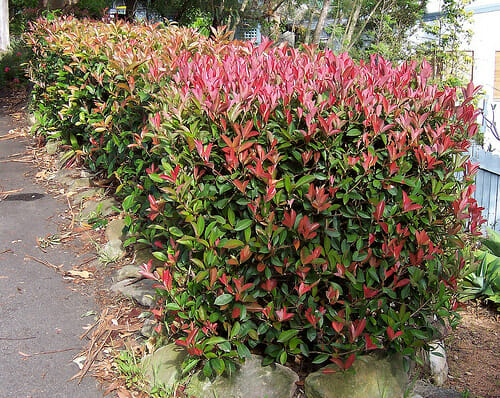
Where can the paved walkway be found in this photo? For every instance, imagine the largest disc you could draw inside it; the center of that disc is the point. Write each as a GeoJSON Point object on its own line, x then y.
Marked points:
{"type": "Point", "coordinates": [39, 311]}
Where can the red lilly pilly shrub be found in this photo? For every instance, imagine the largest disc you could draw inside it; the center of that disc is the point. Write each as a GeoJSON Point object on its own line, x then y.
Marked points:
{"type": "Point", "coordinates": [306, 206]}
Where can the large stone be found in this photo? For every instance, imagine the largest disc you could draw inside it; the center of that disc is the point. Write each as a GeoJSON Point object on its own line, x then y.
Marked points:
{"type": "Point", "coordinates": [112, 251]}
{"type": "Point", "coordinates": [163, 367]}
{"type": "Point", "coordinates": [101, 208]}
{"type": "Point", "coordinates": [88, 193]}
{"type": "Point", "coordinates": [143, 255]}
{"type": "Point", "coordinates": [141, 291]}
{"type": "Point", "coordinates": [371, 376]}
{"type": "Point", "coordinates": [251, 380]}
{"type": "Point", "coordinates": [114, 230]}
{"type": "Point", "coordinates": [427, 390]}
{"type": "Point", "coordinates": [435, 362]}
{"type": "Point", "coordinates": [79, 183]}
{"type": "Point", "coordinates": [127, 272]}
{"type": "Point", "coordinates": [51, 147]}
{"type": "Point", "coordinates": [65, 176]}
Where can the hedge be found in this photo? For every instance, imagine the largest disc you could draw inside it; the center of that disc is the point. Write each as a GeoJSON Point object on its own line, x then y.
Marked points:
{"type": "Point", "coordinates": [305, 206]}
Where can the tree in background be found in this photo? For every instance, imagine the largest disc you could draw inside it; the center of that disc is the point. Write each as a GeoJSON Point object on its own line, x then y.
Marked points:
{"type": "Point", "coordinates": [444, 44]}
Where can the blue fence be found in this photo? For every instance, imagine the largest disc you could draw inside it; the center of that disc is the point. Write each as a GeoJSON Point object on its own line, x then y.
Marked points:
{"type": "Point", "coordinates": [487, 184]}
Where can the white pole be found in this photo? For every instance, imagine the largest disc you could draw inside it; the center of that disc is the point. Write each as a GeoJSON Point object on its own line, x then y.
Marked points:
{"type": "Point", "coordinates": [4, 25]}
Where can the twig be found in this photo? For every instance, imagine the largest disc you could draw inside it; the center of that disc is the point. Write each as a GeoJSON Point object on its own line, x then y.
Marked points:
{"type": "Point", "coordinates": [91, 360]}
{"type": "Point", "coordinates": [46, 352]}
{"type": "Point", "coordinates": [6, 251]}
{"type": "Point", "coordinates": [46, 263]}
{"type": "Point", "coordinates": [72, 214]}
{"type": "Point", "coordinates": [17, 338]}
{"type": "Point", "coordinates": [15, 160]}
{"type": "Point", "coordinates": [7, 136]}
{"type": "Point", "coordinates": [11, 191]}
{"type": "Point", "coordinates": [87, 261]}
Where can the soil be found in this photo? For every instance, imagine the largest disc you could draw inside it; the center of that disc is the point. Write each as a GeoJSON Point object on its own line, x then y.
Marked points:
{"type": "Point", "coordinates": [473, 352]}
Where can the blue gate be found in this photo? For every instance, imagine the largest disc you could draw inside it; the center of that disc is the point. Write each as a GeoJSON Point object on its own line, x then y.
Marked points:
{"type": "Point", "coordinates": [487, 184]}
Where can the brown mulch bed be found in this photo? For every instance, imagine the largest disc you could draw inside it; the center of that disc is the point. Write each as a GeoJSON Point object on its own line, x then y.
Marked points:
{"type": "Point", "coordinates": [473, 352]}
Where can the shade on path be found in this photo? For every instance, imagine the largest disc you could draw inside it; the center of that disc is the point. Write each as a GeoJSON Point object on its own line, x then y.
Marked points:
{"type": "Point", "coordinates": [40, 313]}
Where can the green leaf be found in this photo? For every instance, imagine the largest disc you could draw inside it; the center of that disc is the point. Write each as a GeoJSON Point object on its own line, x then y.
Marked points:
{"type": "Point", "coordinates": [207, 369]}
{"type": "Point", "coordinates": [304, 180]}
{"type": "Point", "coordinates": [218, 365]}
{"type": "Point", "coordinates": [176, 232]}
{"type": "Point", "coordinates": [190, 365]}
{"type": "Point", "coordinates": [235, 329]}
{"type": "Point", "coordinates": [320, 358]}
{"type": "Point", "coordinates": [223, 299]}
{"type": "Point", "coordinates": [215, 340]}
{"type": "Point", "coordinates": [243, 351]}
{"type": "Point", "coordinates": [233, 244]}
{"type": "Point", "coordinates": [287, 335]}
{"type": "Point", "coordinates": [160, 256]}
{"type": "Point", "coordinates": [243, 224]}
{"type": "Point", "coordinates": [173, 307]}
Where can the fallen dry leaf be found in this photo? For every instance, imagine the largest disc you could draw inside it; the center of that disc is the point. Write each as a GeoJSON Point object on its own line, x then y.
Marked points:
{"type": "Point", "coordinates": [80, 274]}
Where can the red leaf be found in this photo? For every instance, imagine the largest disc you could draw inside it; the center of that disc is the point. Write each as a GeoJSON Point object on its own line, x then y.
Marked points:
{"type": "Point", "coordinates": [391, 334]}
{"type": "Point", "coordinates": [369, 344]}
{"type": "Point", "coordinates": [369, 293]}
{"type": "Point", "coordinates": [422, 238]}
{"type": "Point", "coordinates": [338, 326]}
{"type": "Point", "coordinates": [379, 211]}
{"type": "Point", "coordinates": [408, 205]}
{"type": "Point", "coordinates": [269, 285]}
{"type": "Point", "coordinates": [289, 220]}
{"type": "Point", "coordinates": [402, 282]}
{"type": "Point", "coordinates": [236, 312]}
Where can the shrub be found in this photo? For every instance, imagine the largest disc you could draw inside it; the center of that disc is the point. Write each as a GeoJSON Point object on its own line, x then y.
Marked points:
{"type": "Point", "coordinates": [306, 205]}
{"type": "Point", "coordinates": [483, 280]}
{"type": "Point", "coordinates": [12, 64]}
{"type": "Point", "coordinates": [303, 205]}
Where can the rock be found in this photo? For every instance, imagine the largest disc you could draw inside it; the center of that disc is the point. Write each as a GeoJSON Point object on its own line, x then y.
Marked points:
{"type": "Point", "coordinates": [427, 390]}
{"type": "Point", "coordinates": [289, 37]}
{"type": "Point", "coordinates": [127, 272]}
{"type": "Point", "coordinates": [112, 251]}
{"type": "Point", "coordinates": [114, 230]}
{"type": "Point", "coordinates": [80, 183]}
{"type": "Point", "coordinates": [143, 255]}
{"type": "Point", "coordinates": [251, 380]}
{"type": "Point", "coordinates": [147, 328]}
{"type": "Point", "coordinates": [141, 291]}
{"type": "Point", "coordinates": [32, 119]}
{"type": "Point", "coordinates": [88, 193]}
{"type": "Point", "coordinates": [438, 366]}
{"type": "Point", "coordinates": [374, 376]}
{"type": "Point", "coordinates": [65, 176]}
{"type": "Point", "coordinates": [101, 208]}
{"type": "Point", "coordinates": [51, 147]}
{"type": "Point", "coordinates": [163, 367]}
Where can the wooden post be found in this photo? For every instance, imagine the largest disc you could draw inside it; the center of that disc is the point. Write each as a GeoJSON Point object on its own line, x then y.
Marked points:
{"type": "Point", "coordinates": [4, 25]}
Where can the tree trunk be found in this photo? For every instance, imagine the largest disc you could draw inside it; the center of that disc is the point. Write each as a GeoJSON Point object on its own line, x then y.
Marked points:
{"type": "Point", "coordinates": [321, 21]}
{"type": "Point", "coordinates": [237, 19]}
{"type": "Point", "coordinates": [352, 41]}
{"type": "Point", "coordinates": [351, 25]}
{"type": "Point", "coordinates": [4, 25]}
{"type": "Point", "coordinates": [307, 39]}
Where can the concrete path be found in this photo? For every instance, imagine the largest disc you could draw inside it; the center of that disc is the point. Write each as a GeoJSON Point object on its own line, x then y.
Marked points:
{"type": "Point", "coordinates": [39, 311]}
